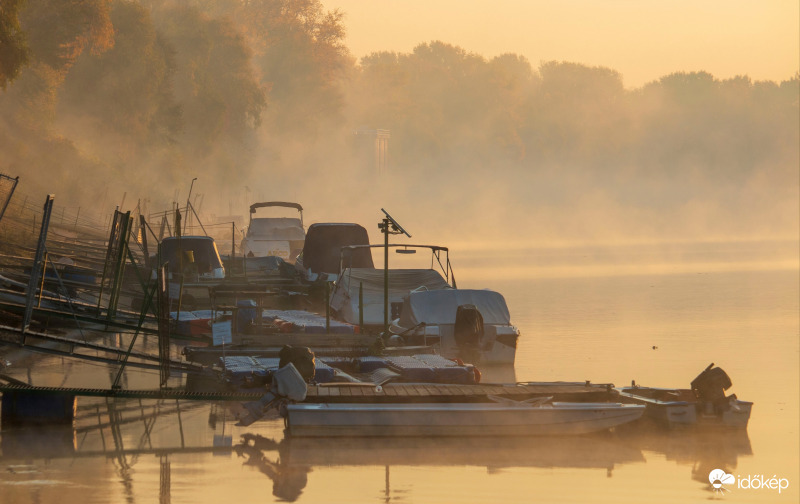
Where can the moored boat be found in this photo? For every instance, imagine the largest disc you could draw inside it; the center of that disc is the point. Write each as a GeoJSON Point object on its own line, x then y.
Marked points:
{"type": "Point", "coordinates": [469, 324]}
{"type": "Point", "coordinates": [274, 236]}
{"type": "Point", "coordinates": [506, 418]}
{"type": "Point", "coordinates": [704, 404]}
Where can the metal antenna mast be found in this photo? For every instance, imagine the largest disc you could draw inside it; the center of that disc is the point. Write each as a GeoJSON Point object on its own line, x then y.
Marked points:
{"type": "Point", "coordinates": [388, 226]}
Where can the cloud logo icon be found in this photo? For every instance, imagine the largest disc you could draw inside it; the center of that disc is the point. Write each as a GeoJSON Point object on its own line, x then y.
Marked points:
{"type": "Point", "coordinates": [718, 477]}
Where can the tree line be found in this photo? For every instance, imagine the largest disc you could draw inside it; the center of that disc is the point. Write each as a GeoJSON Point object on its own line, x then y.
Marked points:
{"type": "Point", "coordinates": [103, 93]}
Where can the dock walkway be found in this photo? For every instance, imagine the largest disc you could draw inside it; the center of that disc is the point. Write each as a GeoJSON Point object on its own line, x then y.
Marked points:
{"type": "Point", "coordinates": [361, 393]}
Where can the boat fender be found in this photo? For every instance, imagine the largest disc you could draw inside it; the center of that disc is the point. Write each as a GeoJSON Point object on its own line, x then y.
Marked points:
{"type": "Point", "coordinates": [477, 373]}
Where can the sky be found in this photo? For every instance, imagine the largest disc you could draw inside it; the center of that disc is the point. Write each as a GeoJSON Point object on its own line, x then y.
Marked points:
{"type": "Point", "coordinates": [642, 39]}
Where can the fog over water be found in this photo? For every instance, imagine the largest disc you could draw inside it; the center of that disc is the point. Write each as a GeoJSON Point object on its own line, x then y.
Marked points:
{"type": "Point", "coordinates": [636, 231]}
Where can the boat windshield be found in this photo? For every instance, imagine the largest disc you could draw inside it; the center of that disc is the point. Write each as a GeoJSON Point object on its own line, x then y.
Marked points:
{"type": "Point", "coordinates": [200, 251]}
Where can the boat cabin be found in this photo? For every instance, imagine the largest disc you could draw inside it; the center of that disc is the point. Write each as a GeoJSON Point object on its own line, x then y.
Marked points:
{"type": "Point", "coordinates": [196, 257]}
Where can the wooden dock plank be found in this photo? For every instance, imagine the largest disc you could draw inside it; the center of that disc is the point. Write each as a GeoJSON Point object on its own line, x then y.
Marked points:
{"type": "Point", "coordinates": [434, 390]}
{"type": "Point", "coordinates": [422, 390]}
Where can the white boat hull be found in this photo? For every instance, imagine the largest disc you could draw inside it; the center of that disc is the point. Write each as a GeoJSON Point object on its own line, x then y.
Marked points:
{"type": "Point", "coordinates": [687, 413]}
{"type": "Point", "coordinates": [456, 419]}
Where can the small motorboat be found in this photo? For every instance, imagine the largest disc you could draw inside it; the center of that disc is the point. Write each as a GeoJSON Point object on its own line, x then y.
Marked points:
{"type": "Point", "coordinates": [704, 404]}
{"type": "Point", "coordinates": [503, 418]}
{"type": "Point", "coordinates": [274, 236]}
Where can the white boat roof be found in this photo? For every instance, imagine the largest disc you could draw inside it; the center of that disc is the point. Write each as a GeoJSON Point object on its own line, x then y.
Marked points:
{"type": "Point", "coordinates": [276, 228]}
{"type": "Point", "coordinates": [439, 306]}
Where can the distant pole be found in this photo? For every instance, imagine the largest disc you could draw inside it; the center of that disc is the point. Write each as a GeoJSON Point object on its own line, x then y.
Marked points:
{"type": "Point", "coordinates": [233, 241]}
{"type": "Point", "coordinates": [188, 198]}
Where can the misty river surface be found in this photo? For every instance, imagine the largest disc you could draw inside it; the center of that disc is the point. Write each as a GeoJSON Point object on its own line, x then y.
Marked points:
{"type": "Point", "coordinates": [585, 314]}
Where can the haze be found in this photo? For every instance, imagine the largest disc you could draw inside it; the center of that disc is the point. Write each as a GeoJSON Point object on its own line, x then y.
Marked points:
{"type": "Point", "coordinates": [511, 123]}
{"type": "Point", "coordinates": [643, 40]}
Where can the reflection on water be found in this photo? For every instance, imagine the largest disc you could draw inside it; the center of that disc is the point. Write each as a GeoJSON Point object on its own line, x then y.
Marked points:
{"type": "Point", "coordinates": [660, 330]}
{"type": "Point", "coordinates": [126, 432]}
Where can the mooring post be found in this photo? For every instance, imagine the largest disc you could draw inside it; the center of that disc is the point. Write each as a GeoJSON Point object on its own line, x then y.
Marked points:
{"type": "Point", "coordinates": [37, 262]}
{"type": "Point", "coordinates": [119, 265]}
{"type": "Point", "coordinates": [163, 322]}
{"type": "Point", "coordinates": [112, 238]}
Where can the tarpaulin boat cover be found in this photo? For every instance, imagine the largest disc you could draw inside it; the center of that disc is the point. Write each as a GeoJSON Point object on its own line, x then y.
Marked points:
{"type": "Point", "coordinates": [401, 282]}
{"type": "Point", "coordinates": [324, 242]}
{"type": "Point", "coordinates": [438, 307]}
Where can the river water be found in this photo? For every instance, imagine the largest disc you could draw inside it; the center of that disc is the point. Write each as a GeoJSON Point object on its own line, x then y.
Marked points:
{"type": "Point", "coordinates": [656, 314]}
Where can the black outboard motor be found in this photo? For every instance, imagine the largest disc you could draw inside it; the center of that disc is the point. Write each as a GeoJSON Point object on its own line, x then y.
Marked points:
{"type": "Point", "coordinates": [301, 357]}
{"type": "Point", "coordinates": [711, 384]}
{"type": "Point", "coordinates": [468, 332]}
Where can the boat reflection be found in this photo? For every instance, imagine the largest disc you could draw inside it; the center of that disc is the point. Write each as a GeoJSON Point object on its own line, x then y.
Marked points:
{"type": "Point", "coordinates": [703, 449]}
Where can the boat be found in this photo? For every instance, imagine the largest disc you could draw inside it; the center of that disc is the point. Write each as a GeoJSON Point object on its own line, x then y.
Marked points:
{"type": "Point", "coordinates": [321, 256]}
{"type": "Point", "coordinates": [274, 236]}
{"type": "Point", "coordinates": [704, 404]}
{"type": "Point", "coordinates": [358, 295]}
{"type": "Point", "coordinates": [502, 418]}
{"type": "Point", "coordinates": [196, 257]}
{"type": "Point", "coordinates": [469, 324]}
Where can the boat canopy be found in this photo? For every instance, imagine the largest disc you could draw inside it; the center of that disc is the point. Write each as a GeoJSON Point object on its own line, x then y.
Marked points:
{"type": "Point", "coordinates": [438, 307]}
{"type": "Point", "coordinates": [324, 241]}
{"type": "Point", "coordinates": [203, 250]}
{"type": "Point", "coordinates": [285, 204]}
{"type": "Point", "coordinates": [276, 228]}
{"type": "Point", "coordinates": [370, 280]}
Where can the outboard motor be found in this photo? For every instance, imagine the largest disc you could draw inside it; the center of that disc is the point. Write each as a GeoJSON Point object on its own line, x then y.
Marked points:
{"type": "Point", "coordinates": [468, 332]}
{"type": "Point", "coordinates": [711, 384]}
{"type": "Point", "coordinates": [289, 383]}
{"type": "Point", "coordinates": [301, 357]}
